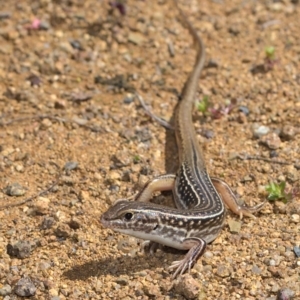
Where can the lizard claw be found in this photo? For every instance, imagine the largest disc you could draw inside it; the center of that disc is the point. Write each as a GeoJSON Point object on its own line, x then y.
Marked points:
{"type": "Point", "coordinates": [150, 247]}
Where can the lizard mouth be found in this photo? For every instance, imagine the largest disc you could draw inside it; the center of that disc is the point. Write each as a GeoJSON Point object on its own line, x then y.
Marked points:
{"type": "Point", "coordinates": [107, 222]}
{"type": "Point", "coordinates": [104, 221]}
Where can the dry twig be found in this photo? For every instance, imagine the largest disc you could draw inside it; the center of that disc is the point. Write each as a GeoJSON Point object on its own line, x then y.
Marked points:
{"type": "Point", "coordinates": [256, 157]}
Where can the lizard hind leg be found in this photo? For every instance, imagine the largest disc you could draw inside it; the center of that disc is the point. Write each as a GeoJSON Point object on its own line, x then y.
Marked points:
{"type": "Point", "coordinates": [231, 201]}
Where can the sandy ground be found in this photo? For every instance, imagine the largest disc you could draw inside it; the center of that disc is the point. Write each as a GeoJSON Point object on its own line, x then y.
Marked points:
{"type": "Point", "coordinates": [70, 125]}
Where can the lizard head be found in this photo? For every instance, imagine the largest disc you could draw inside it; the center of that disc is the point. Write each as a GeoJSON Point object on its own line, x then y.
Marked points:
{"type": "Point", "coordinates": [131, 217]}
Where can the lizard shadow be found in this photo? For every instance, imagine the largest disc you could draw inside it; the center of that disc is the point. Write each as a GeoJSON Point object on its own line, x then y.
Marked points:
{"type": "Point", "coordinates": [124, 265]}
{"type": "Point", "coordinates": [171, 148]}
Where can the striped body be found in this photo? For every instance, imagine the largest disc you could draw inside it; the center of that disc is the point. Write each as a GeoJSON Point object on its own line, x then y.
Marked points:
{"type": "Point", "coordinates": [194, 191]}
{"type": "Point", "coordinates": [161, 224]}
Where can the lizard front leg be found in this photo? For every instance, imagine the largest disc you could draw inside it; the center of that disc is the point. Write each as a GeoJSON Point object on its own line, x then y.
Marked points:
{"type": "Point", "coordinates": [196, 248]}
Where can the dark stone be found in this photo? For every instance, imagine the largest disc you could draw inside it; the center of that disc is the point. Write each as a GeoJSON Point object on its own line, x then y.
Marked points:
{"type": "Point", "coordinates": [25, 287]}
{"type": "Point", "coordinates": [21, 249]}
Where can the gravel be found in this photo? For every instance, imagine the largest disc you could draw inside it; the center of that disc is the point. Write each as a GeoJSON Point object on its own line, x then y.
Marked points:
{"type": "Point", "coordinates": [52, 111]}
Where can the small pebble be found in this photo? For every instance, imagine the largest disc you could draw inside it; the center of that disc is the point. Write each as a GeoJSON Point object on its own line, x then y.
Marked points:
{"type": "Point", "coordinates": [7, 151]}
{"type": "Point", "coordinates": [247, 178]}
{"type": "Point", "coordinates": [45, 124]}
{"type": "Point", "coordinates": [25, 287]}
{"type": "Point", "coordinates": [273, 153]}
{"type": "Point", "coordinates": [71, 165]}
{"type": "Point", "coordinates": [207, 133]}
{"type": "Point", "coordinates": [14, 270]}
{"type": "Point", "coordinates": [244, 110]}
{"type": "Point", "coordinates": [5, 290]}
{"type": "Point", "coordinates": [59, 33]}
{"type": "Point", "coordinates": [19, 168]}
{"type": "Point", "coordinates": [297, 251]}
{"type": "Point", "coordinates": [212, 64]}
{"type": "Point", "coordinates": [275, 288]}
{"type": "Point", "coordinates": [150, 290]}
{"type": "Point", "coordinates": [285, 294]}
{"type": "Point", "coordinates": [5, 15]}
{"type": "Point", "coordinates": [126, 244]}
{"type": "Point", "coordinates": [234, 29]}
{"type": "Point", "coordinates": [15, 189]}
{"type": "Point", "coordinates": [63, 231]}
{"type": "Point", "coordinates": [208, 254]}
{"type": "Point", "coordinates": [280, 207]}
{"type": "Point", "coordinates": [128, 99]}
{"type": "Point", "coordinates": [60, 104]}
{"type": "Point", "coordinates": [44, 25]}
{"type": "Point", "coordinates": [41, 206]}
{"type": "Point", "coordinates": [113, 176]}
{"type": "Point", "coordinates": [289, 132]}
{"type": "Point", "coordinates": [256, 270]}
{"type": "Point", "coordinates": [122, 158]}
{"type": "Point", "coordinates": [21, 249]}
{"type": "Point", "coordinates": [143, 135]}
{"type": "Point", "coordinates": [271, 140]}
{"type": "Point", "coordinates": [171, 48]}
{"type": "Point", "coordinates": [126, 176]}
{"type": "Point", "coordinates": [136, 38]}
{"type": "Point", "coordinates": [234, 226]}
{"type": "Point", "coordinates": [34, 80]}
{"type": "Point", "coordinates": [295, 218]}
{"type": "Point", "coordinates": [114, 188]}
{"type": "Point", "coordinates": [122, 281]}
{"type": "Point", "coordinates": [261, 189]}
{"type": "Point", "coordinates": [292, 173]}
{"type": "Point", "coordinates": [187, 286]}
{"type": "Point", "coordinates": [84, 195]}
{"type": "Point", "coordinates": [98, 286]}
{"type": "Point", "coordinates": [79, 121]}
{"type": "Point", "coordinates": [47, 223]}
{"type": "Point", "coordinates": [12, 35]}
{"type": "Point", "coordinates": [75, 223]}
{"type": "Point", "coordinates": [44, 265]}
{"type": "Point", "coordinates": [259, 130]}
{"type": "Point", "coordinates": [273, 270]}
{"type": "Point", "coordinates": [223, 271]}
{"type": "Point", "coordinates": [76, 44]}
{"type": "Point", "coordinates": [272, 262]}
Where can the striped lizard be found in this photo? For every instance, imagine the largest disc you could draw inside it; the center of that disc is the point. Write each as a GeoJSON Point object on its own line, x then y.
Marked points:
{"type": "Point", "coordinates": [200, 212]}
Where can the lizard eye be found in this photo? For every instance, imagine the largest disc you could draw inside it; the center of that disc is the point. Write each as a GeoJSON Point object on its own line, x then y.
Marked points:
{"type": "Point", "coordinates": [128, 216]}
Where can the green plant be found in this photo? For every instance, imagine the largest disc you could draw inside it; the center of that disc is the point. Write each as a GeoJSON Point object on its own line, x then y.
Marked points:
{"type": "Point", "coordinates": [270, 61]}
{"type": "Point", "coordinates": [270, 52]}
{"type": "Point", "coordinates": [277, 192]}
{"type": "Point", "coordinates": [136, 159]}
{"type": "Point", "coordinates": [203, 105]}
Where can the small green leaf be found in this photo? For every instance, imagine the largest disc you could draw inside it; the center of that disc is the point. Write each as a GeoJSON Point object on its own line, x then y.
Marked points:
{"type": "Point", "coordinates": [282, 186]}
{"type": "Point", "coordinates": [203, 105]}
{"type": "Point", "coordinates": [270, 52]}
{"type": "Point", "coordinates": [136, 159]}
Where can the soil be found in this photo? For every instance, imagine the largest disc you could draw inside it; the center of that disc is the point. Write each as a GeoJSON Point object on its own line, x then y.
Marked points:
{"type": "Point", "coordinates": [74, 139]}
